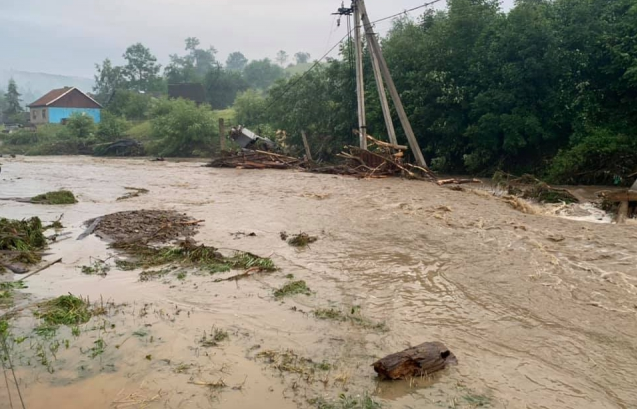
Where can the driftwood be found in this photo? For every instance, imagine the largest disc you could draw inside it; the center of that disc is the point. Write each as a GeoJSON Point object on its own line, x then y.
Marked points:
{"type": "Point", "coordinates": [457, 181]}
{"type": "Point", "coordinates": [420, 360]}
{"type": "Point", "coordinates": [90, 228]}
{"type": "Point", "coordinates": [41, 269]}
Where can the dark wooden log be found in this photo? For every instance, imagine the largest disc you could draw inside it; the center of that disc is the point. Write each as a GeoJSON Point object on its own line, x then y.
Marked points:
{"type": "Point", "coordinates": [423, 359]}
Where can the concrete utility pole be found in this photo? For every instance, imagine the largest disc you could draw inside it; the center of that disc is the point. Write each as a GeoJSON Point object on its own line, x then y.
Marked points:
{"type": "Point", "coordinates": [360, 83]}
{"type": "Point", "coordinates": [382, 96]}
{"type": "Point", "coordinates": [374, 47]}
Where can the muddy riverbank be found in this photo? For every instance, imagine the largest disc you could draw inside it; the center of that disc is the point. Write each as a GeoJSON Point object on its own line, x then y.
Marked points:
{"type": "Point", "coordinates": [539, 310]}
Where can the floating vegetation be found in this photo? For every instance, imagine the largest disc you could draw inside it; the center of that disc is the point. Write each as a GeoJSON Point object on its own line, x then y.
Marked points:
{"type": "Point", "coordinates": [22, 235]}
{"type": "Point", "coordinates": [7, 289]}
{"type": "Point", "coordinates": [347, 402]}
{"type": "Point", "coordinates": [189, 254]}
{"type": "Point", "coordinates": [216, 336]}
{"type": "Point", "coordinates": [150, 275]}
{"type": "Point", "coordinates": [133, 192]}
{"type": "Point", "coordinates": [67, 310]}
{"type": "Point", "coordinates": [98, 348]}
{"type": "Point", "coordinates": [300, 240]}
{"type": "Point", "coordinates": [290, 361]}
{"type": "Point", "coordinates": [292, 288]}
{"type": "Point", "coordinates": [97, 267]}
{"type": "Point", "coordinates": [60, 197]}
{"type": "Point", "coordinates": [354, 317]}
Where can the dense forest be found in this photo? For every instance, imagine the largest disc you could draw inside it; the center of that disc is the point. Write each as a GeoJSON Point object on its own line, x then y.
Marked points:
{"type": "Point", "coordinates": [548, 87]}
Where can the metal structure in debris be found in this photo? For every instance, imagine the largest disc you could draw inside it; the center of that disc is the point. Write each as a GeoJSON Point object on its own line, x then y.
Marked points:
{"type": "Point", "coordinates": [245, 138]}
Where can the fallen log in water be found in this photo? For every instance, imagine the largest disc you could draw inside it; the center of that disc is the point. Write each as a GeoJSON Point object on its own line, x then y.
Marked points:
{"type": "Point", "coordinates": [420, 360]}
{"type": "Point", "coordinates": [457, 181]}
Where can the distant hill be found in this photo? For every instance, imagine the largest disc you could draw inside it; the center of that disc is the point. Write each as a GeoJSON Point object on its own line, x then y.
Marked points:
{"type": "Point", "coordinates": [32, 85]}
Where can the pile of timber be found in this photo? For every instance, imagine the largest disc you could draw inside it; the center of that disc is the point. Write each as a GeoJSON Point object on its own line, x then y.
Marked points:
{"type": "Point", "coordinates": [256, 159]}
{"type": "Point", "coordinates": [380, 161]}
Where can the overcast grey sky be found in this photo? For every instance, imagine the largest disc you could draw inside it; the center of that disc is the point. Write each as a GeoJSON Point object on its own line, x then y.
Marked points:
{"type": "Point", "coordinates": [68, 37]}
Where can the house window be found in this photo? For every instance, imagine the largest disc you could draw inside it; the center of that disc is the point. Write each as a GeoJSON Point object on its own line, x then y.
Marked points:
{"type": "Point", "coordinates": [44, 114]}
{"type": "Point", "coordinates": [35, 114]}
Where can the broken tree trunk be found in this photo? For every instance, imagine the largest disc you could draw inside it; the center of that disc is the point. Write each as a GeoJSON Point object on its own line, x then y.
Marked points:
{"type": "Point", "coordinates": [457, 181]}
{"type": "Point", "coordinates": [420, 360]}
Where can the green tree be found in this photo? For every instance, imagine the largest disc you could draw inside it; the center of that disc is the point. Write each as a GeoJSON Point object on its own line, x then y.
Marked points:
{"type": "Point", "coordinates": [302, 57]}
{"type": "Point", "coordinates": [261, 74]}
{"type": "Point", "coordinates": [141, 71]}
{"type": "Point", "coordinates": [193, 66]}
{"type": "Point", "coordinates": [222, 87]}
{"type": "Point", "coordinates": [131, 105]}
{"type": "Point", "coordinates": [81, 126]}
{"type": "Point", "coordinates": [181, 128]}
{"type": "Point", "coordinates": [13, 108]}
{"type": "Point", "coordinates": [108, 78]}
{"type": "Point", "coordinates": [250, 108]}
{"type": "Point", "coordinates": [236, 61]}
{"type": "Point", "coordinates": [282, 57]}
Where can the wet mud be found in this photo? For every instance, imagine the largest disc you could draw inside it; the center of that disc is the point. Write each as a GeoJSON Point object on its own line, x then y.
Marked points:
{"type": "Point", "coordinates": [539, 310]}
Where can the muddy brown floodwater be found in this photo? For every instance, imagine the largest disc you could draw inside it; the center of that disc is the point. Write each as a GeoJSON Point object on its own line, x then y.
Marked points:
{"type": "Point", "coordinates": [540, 311]}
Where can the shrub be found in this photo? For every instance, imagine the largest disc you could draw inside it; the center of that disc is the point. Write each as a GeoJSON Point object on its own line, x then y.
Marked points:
{"type": "Point", "coordinates": [111, 127]}
{"type": "Point", "coordinates": [600, 157]}
{"type": "Point", "coordinates": [81, 126]}
{"type": "Point", "coordinates": [180, 127]}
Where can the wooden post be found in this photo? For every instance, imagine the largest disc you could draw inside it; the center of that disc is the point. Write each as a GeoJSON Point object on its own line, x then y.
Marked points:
{"type": "Point", "coordinates": [622, 212]}
{"type": "Point", "coordinates": [360, 83]}
{"type": "Point", "coordinates": [382, 96]}
{"type": "Point", "coordinates": [222, 134]}
{"type": "Point", "coordinates": [400, 109]}
{"type": "Point", "coordinates": [308, 153]}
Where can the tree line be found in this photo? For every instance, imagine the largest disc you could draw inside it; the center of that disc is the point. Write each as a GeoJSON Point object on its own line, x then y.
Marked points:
{"type": "Point", "coordinates": [549, 87]}
{"type": "Point", "coordinates": [143, 74]}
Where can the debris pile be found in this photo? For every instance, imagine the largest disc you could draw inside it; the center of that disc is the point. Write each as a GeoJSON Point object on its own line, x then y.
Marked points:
{"type": "Point", "coordinates": [529, 187]}
{"type": "Point", "coordinates": [256, 159]}
{"type": "Point", "coordinates": [381, 160]}
{"type": "Point", "coordinates": [123, 147]}
{"type": "Point", "coordinates": [143, 226]}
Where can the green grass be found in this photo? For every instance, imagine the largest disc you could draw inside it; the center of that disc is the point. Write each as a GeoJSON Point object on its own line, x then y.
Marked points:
{"type": "Point", "coordinates": [292, 288]}
{"type": "Point", "coordinates": [214, 338]}
{"type": "Point", "coordinates": [348, 402]}
{"type": "Point", "coordinates": [228, 115]}
{"type": "Point", "coordinates": [67, 310]}
{"type": "Point", "coordinates": [60, 197]}
{"type": "Point", "coordinates": [477, 401]}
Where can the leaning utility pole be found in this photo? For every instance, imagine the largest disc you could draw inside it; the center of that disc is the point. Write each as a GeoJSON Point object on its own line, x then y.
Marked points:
{"type": "Point", "coordinates": [360, 83]}
{"type": "Point", "coordinates": [382, 97]}
{"type": "Point", "coordinates": [374, 47]}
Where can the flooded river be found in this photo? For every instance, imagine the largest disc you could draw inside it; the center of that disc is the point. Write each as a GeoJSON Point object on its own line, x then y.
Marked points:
{"type": "Point", "coordinates": [539, 310]}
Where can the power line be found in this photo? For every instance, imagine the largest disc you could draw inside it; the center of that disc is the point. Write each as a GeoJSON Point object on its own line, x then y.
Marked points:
{"type": "Point", "coordinates": [348, 35]}
{"type": "Point", "coordinates": [407, 11]}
